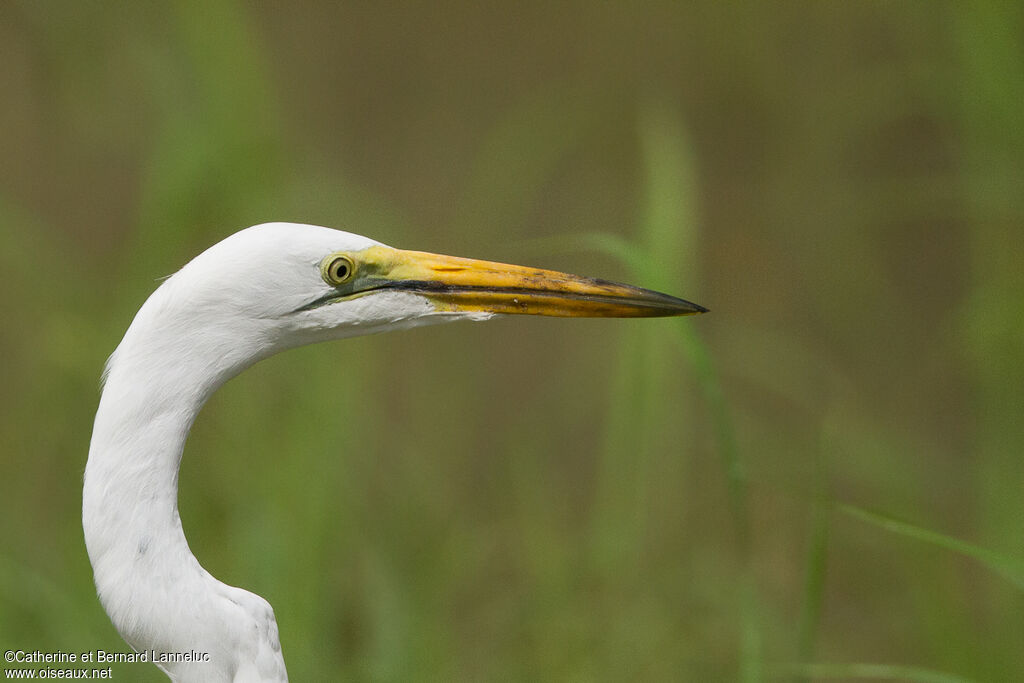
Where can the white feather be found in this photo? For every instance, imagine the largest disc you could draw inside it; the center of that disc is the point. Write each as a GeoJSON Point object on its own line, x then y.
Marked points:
{"type": "Point", "coordinates": [231, 306]}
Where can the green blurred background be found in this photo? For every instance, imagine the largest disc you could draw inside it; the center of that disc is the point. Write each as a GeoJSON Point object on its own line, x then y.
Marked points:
{"type": "Point", "coordinates": [822, 478]}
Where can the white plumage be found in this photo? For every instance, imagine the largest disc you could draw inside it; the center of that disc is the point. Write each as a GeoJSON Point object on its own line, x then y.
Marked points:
{"type": "Point", "coordinates": [258, 292]}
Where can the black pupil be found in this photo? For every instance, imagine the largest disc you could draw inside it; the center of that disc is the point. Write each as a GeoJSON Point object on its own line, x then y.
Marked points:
{"type": "Point", "coordinates": [340, 270]}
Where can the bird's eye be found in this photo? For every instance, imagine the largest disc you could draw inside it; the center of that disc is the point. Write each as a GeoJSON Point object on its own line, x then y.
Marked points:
{"type": "Point", "coordinates": [337, 270]}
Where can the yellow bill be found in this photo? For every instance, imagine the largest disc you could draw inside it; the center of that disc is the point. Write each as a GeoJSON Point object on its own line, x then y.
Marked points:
{"type": "Point", "coordinates": [462, 284]}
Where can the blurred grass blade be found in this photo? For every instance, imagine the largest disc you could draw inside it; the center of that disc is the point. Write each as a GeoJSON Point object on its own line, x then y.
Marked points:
{"type": "Point", "coordinates": [1006, 567]}
{"type": "Point", "coordinates": [874, 672]}
{"type": "Point", "coordinates": [817, 553]}
{"type": "Point", "coordinates": [732, 465]}
{"type": "Point", "coordinates": [669, 244]}
{"type": "Point", "coordinates": [669, 227]}
{"type": "Point", "coordinates": [814, 583]}
{"type": "Point", "coordinates": [725, 434]}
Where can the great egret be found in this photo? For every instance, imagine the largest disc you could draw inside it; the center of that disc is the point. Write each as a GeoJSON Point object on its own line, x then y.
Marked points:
{"type": "Point", "coordinates": [260, 291]}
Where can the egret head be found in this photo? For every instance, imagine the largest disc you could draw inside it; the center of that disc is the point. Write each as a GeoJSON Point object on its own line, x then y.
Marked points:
{"type": "Point", "coordinates": [280, 285]}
